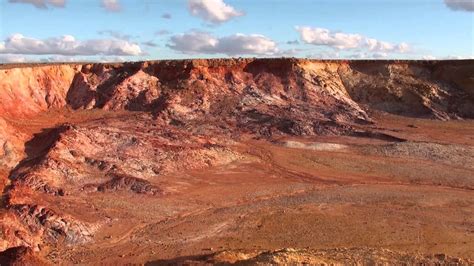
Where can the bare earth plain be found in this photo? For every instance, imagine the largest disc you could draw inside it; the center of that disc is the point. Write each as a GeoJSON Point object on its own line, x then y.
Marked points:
{"type": "Point", "coordinates": [250, 161]}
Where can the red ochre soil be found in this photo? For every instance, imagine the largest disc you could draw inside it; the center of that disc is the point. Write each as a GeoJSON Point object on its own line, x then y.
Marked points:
{"type": "Point", "coordinates": [248, 161]}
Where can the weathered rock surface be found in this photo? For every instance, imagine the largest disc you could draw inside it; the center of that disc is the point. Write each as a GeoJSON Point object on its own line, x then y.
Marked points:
{"type": "Point", "coordinates": [28, 90]}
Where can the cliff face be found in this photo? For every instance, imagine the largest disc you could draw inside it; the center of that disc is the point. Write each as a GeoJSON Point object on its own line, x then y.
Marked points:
{"type": "Point", "coordinates": [422, 89]}
{"type": "Point", "coordinates": [29, 90]}
{"type": "Point", "coordinates": [336, 88]}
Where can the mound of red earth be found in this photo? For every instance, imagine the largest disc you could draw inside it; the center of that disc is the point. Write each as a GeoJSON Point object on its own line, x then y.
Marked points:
{"type": "Point", "coordinates": [71, 130]}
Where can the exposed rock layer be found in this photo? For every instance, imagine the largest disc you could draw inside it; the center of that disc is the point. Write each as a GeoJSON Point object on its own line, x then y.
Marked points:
{"type": "Point", "coordinates": [441, 89]}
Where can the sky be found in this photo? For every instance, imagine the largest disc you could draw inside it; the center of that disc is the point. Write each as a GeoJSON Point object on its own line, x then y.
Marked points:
{"type": "Point", "coordinates": [133, 30]}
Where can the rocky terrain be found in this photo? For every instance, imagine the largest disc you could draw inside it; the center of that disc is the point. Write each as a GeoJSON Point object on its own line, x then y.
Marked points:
{"type": "Point", "coordinates": [238, 161]}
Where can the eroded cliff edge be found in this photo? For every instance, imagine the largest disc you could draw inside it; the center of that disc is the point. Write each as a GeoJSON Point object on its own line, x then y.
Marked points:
{"type": "Point", "coordinates": [438, 89]}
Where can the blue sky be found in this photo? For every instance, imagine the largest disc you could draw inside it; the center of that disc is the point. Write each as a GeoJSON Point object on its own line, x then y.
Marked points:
{"type": "Point", "coordinates": [109, 30]}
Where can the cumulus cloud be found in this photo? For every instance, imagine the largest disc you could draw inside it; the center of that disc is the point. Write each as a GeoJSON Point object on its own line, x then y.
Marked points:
{"type": "Point", "coordinates": [67, 45]}
{"type": "Point", "coordinates": [42, 4]}
{"type": "Point", "coordinates": [463, 5]}
{"type": "Point", "coordinates": [111, 5]}
{"type": "Point", "coordinates": [320, 36]}
{"type": "Point", "coordinates": [232, 45]}
{"type": "Point", "coordinates": [214, 11]}
{"type": "Point", "coordinates": [347, 41]}
{"type": "Point", "coordinates": [384, 47]}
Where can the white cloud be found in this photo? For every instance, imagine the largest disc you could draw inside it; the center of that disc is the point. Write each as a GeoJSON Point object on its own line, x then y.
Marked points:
{"type": "Point", "coordinates": [464, 5]}
{"type": "Point", "coordinates": [232, 45]}
{"type": "Point", "coordinates": [320, 36]}
{"type": "Point", "coordinates": [194, 42]}
{"type": "Point", "coordinates": [214, 11]}
{"type": "Point", "coordinates": [11, 58]}
{"type": "Point", "coordinates": [67, 45]}
{"type": "Point", "coordinates": [381, 46]}
{"type": "Point", "coordinates": [43, 4]}
{"type": "Point", "coordinates": [111, 5]}
{"type": "Point", "coordinates": [347, 41]}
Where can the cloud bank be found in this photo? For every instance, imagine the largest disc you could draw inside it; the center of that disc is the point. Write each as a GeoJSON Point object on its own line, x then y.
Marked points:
{"type": "Point", "coordinates": [348, 41]}
{"type": "Point", "coordinates": [232, 45]}
{"type": "Point", "coordinates": [67, 45]}
{"type": "Point", "coordinates": [213, 11]}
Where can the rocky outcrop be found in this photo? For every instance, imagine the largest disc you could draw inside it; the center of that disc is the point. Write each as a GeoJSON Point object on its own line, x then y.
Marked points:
{"type": "Point", "coordinates": [75, 156]}
{"type": "Point", "coordinates": [51, 226]}
{"type": "Point", "coordinates": [128, 183]}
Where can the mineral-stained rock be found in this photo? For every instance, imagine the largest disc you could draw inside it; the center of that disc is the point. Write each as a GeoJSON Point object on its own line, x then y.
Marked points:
{"type": "Point", "coordinates": [51, 226]}
{"type": "Point", "coordinates": [120, 182]}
